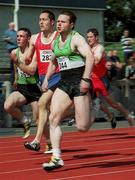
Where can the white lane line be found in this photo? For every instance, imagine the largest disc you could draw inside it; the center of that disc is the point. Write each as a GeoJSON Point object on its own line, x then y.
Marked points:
{"type": "Point", "coordinates": [75, 154]}
{"type": "Point", "coordinates": [73, 164]}
{"type": "Point", "coordinates": [18, 171]}
{"type": "Point", "coordinates": [75, 134]}
{"type": "Point", "coordinates": [69, 147]}
{"type": "Point", "coordinates": [97, 174]}
{"type": "Point", "coordinates": [104, 137]}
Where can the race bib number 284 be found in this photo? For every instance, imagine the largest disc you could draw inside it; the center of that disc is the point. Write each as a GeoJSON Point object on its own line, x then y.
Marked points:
{"type": "Point", "coordinates": [63, 63]}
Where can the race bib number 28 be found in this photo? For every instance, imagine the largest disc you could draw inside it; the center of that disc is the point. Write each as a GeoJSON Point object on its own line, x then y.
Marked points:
{"type": "Point", "coordinates": [45, 55]}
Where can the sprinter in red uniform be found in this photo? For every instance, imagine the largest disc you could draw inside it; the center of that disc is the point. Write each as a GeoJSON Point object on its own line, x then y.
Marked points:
{"type": "Point", "coordinates": [99, 79]}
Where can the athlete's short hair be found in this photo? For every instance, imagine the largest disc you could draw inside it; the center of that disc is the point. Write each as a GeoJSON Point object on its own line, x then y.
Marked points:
{"type": "Point", "coordinates": [50, 14]}
{"type": "Point", "coordinates": [25, 30]}
{"type": "Point", "coordinates": [94, 31]}
{"type": "Point", "coordinates": [70, 14]}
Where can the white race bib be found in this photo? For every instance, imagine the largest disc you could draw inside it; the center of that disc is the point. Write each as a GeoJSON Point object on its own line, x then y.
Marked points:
{"type": "Point", "coordinates": [45, 55]}
{"type": "Point", "coordinates": [65, 63]}
{"type": "Point", "coordinates": [21, 73]}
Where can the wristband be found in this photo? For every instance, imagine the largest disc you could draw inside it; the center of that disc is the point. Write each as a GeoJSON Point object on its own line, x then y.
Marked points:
{"type": "Point", "coordinates": [86, 80]}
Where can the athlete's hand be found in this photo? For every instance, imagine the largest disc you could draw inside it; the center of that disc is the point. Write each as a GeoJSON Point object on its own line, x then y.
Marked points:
{"type": "Point", "coordinates": [27, 61]}
{"type": "Point", "coordinates": [45, 85]}
{"type": "Point", "coordinates": [84, 86]}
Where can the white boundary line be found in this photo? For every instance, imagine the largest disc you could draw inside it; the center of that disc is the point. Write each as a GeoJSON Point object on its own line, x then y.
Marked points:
{"type": "Point", "coordinates": [91, 131]}
{"type": "Point", "coordinates": [74, 164]}
{"type": "Point", "coordinates": [105, 136]}
{"type": "Point", "coordinates": [67, 155]}
{"type": "Point", "coordinates": [67, 147]}
{"type": "Point", "coordinates": [96, 174]}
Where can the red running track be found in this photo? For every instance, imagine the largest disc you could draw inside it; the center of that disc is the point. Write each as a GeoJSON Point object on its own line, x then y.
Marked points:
{"type": "Point", "coordinates": [96, 155]}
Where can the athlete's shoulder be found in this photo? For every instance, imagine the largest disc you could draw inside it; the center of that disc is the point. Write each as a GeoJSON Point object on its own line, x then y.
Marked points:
{"type": "Point", "coordinates": [56, 32]}
{"type": "Point", "coordinates": [100, 47]}
{"type": "Point", "coordinates": [75, 33]}
{"type": "Point", "coordinates": [78, 39]}
{"type": "Point", "coordinates": [14, 51]}
{"type": "Point", "coordinates": [34, 37]}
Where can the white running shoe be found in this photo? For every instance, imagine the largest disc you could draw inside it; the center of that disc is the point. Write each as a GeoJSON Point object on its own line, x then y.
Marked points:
{"type": "Point", "coordinates": [54, 163]}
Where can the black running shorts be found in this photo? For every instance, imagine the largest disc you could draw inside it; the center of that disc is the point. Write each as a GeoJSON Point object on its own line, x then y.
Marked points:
{"type": "Point", "coordinates": [30, 91]}
{"type": "Point", "coordinates": [70, 82]}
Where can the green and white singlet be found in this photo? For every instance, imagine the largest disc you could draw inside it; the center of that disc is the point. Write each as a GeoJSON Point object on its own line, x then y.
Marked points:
{"type": "Point", "coordinates": [67, 59]}
{"type": "Point", "coordinates": [71, 65]}
{"type": "Point", "coordinates": [24, 78]}
{"type": "Point", "coordinates": [27, 84]}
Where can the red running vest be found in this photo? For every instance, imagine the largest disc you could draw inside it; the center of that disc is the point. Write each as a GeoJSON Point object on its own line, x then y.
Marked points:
{"type": "Point", "coordinates": [99, 69]}
{"type": "Point", "coordinates": [44, 53]}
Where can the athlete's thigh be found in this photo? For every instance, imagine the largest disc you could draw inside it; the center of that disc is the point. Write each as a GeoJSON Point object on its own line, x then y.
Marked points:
{"type": "Point", "coordinates": [16, 98]}
{"type": "Point", "coordinates": [60, 102]}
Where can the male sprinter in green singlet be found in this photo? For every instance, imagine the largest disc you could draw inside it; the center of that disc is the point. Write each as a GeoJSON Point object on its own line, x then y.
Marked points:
{"type": "Point", "coordinates": [27, 90]}
{"type": "Point", "coordinates": [76, 62]}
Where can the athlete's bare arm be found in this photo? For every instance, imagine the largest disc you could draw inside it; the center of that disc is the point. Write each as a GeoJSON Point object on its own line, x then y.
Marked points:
{"type": "Point", "coordinates": [30, 68]}
{"type": "Point", "coordinates": [31, 50]}
{"type": "Point", "coordinates": [82, 47]}
{"type": "Point", "coordinates": [98, 53]}
{"type": "Point", "coordinates": [13, 56]}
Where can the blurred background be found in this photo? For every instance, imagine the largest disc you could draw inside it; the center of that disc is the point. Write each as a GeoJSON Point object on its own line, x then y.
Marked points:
{"type": "Point", "coordinates": [110, 17]}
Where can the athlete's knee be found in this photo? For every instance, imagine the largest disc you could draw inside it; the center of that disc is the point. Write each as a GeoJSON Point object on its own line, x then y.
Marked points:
{"type": "Point", "coordinates": [54, 118]}
{"type": "Point", "coordinates": [42, 104]}
{"type": "Point", "coordinates": [83, 127]}
{"type": "Point", "coordinates": [7, 106]}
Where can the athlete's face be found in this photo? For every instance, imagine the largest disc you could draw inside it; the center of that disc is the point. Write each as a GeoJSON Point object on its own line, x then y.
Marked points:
{"type": "Point", "coordinates": [45, 23]}
{"type": "Point", "coordinates": [64, 24]}
{"type": "Point", "coordinates": [108, 65]}
{"type": "Point", "coordinates": [91, 39]}
{"type": "Point", "coordinates": [22, 39]}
